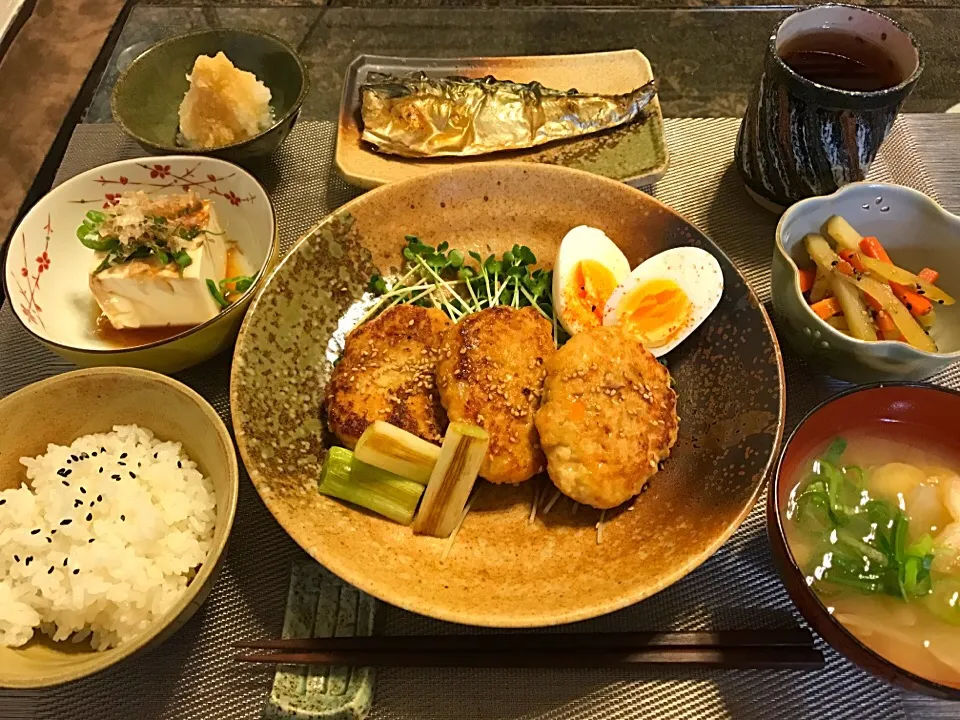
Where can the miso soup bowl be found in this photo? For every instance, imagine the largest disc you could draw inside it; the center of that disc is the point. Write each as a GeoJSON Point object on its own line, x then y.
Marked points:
{"type": "Point", "coordinates": [46, 273]}
{"type": "Point", "coordinates": [914, 408]}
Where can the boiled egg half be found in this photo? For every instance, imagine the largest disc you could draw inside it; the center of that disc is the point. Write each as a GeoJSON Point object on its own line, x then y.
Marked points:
{"type": "Point", "coordinates": [589, 267]}
{"type": "Point", "coordinates": [666, 298]}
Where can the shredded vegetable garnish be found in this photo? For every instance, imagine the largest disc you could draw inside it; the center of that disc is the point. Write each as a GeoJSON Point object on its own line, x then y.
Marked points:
{"type": "Point", "coordinates": [447, 279]}
{"type": "Point", "coordinates": [456, 530]}
{"type": "Point", "coordinates": [551, 502]}
{"type": "Point", "coordinates": [536, 501]}
{"type": "Point", "coordinates": [603, 516]}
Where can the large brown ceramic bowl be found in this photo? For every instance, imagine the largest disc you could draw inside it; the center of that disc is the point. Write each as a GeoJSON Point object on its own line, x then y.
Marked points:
{"type": "Point", "coordinates": [503, 571]}
{"type": "Point", "coordinates": [902, 409]}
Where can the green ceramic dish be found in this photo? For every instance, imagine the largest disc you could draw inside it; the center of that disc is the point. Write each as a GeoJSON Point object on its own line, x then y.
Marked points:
{"type": "Point", "coordinates": [146, 98]}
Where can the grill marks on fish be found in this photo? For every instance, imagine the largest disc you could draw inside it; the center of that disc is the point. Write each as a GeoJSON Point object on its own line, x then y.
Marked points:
{"type": "Point", "coordinates": [418, 116]}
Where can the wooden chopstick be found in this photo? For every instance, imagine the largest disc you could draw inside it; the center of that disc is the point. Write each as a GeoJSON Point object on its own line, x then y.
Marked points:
{"type": "Point", "coordinates": [794, 637]}
{"type": "Point", "coordinates": [787, 649]}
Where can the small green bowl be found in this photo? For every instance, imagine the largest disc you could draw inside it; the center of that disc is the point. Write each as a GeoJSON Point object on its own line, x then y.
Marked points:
{"type": "Point", "coordinates": [146, 99]}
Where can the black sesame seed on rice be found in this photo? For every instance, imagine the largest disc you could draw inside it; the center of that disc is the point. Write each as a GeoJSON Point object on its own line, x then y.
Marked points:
{"type": "Point", "coordinates": [66, 521]}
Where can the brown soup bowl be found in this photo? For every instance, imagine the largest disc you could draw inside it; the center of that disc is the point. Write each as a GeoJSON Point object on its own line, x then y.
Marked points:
{"type": "Point", "coordinates": [918, 409]}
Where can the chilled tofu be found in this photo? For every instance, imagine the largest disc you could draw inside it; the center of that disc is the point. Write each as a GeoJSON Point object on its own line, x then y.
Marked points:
{"type": "Point", "coordinates": [141, 294]}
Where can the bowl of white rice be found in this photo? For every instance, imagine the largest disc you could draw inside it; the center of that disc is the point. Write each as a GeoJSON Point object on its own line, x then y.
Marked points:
{"type": "Point", "coordinates": [118, 489]}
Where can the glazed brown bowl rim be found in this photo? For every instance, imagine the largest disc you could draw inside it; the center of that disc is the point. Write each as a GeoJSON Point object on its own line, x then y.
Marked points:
{"type": "Point", "coordinates": [777, 536]}
{"type": "Point", "coordinates": [840, 92]}
{"type": "Point", "coordinates": [177, 149]}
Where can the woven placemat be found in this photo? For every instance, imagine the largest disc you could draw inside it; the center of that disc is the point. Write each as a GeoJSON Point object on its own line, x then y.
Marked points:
{"type": "Point", "coordinates": [192, 675]}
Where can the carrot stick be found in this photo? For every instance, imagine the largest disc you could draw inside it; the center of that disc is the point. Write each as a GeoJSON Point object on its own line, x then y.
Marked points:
{"type": "Point", "coordinates": [885, 323]}
{"type": "Point", "coordinates": [806, 279]}
{"type": "Point", "coordinates": [917, 304]}
{"type": "Point", "coordinates": [853, 258]}
{"type": "Point", "coordinates": [871, 247]}
{"type": "Point", "coordinates": [828, 307]}
{"type": "Point", "coordinates": [845, 268]}
{"type": "Point", "coordinates": [929, 275]}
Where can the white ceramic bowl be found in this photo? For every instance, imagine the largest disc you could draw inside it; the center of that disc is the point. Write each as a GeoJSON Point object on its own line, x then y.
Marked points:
{"type": "Point", "coordinates": [917, 232]}
{"type": "Point", "coordinates": [46, 267]}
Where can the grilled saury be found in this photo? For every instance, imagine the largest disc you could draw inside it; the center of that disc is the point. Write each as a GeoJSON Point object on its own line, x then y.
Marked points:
{"type": "Point", "coordinates": [419, 116]}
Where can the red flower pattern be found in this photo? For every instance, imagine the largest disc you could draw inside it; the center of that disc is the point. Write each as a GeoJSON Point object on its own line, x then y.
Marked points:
{"type": "Point", "coordinates": [24, 272]}
{"type": "Point", "coordinates": [123, 180]}
{"type": "Point", "coordinates": [232, 197]}
{"type": "Point", "coordinates": [112, 199]}
{"type": "Point", "coordinates": [160, 171]}
{"type": "Point", "coordinates": [43, 262]}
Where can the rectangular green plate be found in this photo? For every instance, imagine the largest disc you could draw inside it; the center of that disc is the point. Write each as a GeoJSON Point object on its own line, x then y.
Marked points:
{"type": "Point", "coordinates": [635, 153]}
{"type": "Point", "coordinates": [319, 604]}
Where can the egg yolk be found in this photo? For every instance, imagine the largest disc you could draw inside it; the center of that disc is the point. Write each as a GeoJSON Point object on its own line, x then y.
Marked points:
{"type": "Point", "coordinates": [589, 287]}
{"type": "Point", "coordinates": [655, 312]}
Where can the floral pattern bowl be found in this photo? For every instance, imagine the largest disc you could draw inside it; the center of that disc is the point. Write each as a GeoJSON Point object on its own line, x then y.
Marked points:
{"type": "Point", "coordinates": [46, 270]}
{"type": "Point", "coordinates": [917, 232]}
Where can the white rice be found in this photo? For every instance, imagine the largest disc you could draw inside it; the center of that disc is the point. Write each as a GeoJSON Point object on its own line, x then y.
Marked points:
{"type": "Point", "coordinates": [113, 527]}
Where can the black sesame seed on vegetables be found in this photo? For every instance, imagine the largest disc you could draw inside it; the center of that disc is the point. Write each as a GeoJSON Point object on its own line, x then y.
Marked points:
{"type": "Point", "coordinates": [93, 454]}
{"type": "Point", "coordinates": [49, 539]}
{"type": "Point", "coordinates": [76, 571]}
{"type": "Point", "coordinates": [101, 469]}
{"type": "Point", "coordinates": [3, 501]}
{"type": "Point", "coordinates": [99, 498]}
{"type": "Point", "coordinates": [66, 521]}
{"type": "Point", "coordinates": [155, 456]}
{"type": "Point", "coordinates": [91, 540]}
{"type": "Point", "coordinates": [179, 464]}
{"type": "Point", "coordinates": [65, 483]}
{"type": "Point", "coordinates": [65, 561]}
{"type": "Point", "coordinates": [132, 475]}
{"type": "Point", "coordinates": [103, 449]}
{"type": "Point", "coordinates": [53, 532]}
{"type": "Point", "coordinates": [28, 560]}
{"type": "Point", "coordinates": [75, 458]}
{"type": "Point", "coordinates": [92, 503]}
{"type": "Point", "coordinates": [123, 456]}
{"type": "Point", "coordinates": [89, 517]}
{"type": "Point", "coordinates": [50, 571]}
{"type": "Point", "coordinates": [83, 490]}
{"type": "Point", "coordinates": [123, 518]}
{"type": "Point", "coordinates": [121, 462]}
{"type": "Point", "coordinates": [35, 531]}
{"type": "Point", "coordinates": [16, 558]}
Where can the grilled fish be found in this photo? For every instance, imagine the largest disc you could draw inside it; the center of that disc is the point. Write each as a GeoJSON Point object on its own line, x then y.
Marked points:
{"type": "Point", "coordinates": [421, 117]}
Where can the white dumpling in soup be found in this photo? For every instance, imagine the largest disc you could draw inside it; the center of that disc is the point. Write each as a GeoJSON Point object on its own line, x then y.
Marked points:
{"type": "Point", "coordinates": [895, 479]}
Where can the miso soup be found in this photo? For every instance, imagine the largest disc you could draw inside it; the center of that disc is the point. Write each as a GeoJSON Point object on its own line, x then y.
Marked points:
{"type": "Point", "coordinates": [874, 524]}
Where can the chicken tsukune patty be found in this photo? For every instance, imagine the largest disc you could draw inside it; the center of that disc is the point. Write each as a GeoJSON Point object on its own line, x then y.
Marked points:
{"type": "Point", "coordinates": [608, 417]}
{"type": "Point", "coordinates": [387, 372]}
{"type": "Point", "coordinates": [490, 374]}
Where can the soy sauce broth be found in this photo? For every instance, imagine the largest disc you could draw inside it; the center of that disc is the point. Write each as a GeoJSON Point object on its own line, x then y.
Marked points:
{"type": "Point", "coordinates": [841, 60]}
{"type": "Point", "coordinates": [922, 634]}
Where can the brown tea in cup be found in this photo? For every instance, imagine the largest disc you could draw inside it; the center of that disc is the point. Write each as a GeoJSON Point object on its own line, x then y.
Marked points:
{"type": "Point", "coordinates": [841, 60]}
